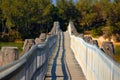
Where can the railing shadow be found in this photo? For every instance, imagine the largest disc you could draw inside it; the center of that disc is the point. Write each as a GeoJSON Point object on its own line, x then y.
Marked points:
{"type": "Point", "coordinates": [65, 65]}
{"type": "Point", "coordinates": [55, 62]}
{"type": "Point", "coordinates": [63, 62]}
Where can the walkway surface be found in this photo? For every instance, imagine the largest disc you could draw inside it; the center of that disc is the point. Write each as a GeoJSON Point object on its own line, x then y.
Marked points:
{"type": "Point", "coordinates": [62, 64]}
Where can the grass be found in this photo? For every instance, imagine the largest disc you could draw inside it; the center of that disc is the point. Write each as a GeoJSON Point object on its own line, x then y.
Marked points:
{"type": "Point", "coordinates": [13, 44]}
{"type": "Point", "coordinates": [117, 53]}
{"type": "Point", "coordinates": [20, 45]}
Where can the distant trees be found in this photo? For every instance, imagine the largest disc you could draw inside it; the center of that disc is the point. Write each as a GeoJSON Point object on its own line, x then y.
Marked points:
{"type": "Point", "coordinates": [67, 12]}
{"type": "Point", "coordinates": [28, 18]}
{"type": "Point", "coordinates": [98, 14]}
{"type": "Point", "coordinates": [96, 32]}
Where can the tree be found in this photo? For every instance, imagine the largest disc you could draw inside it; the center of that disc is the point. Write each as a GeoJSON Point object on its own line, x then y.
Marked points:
{"type": "Point", "coordinates": [27, 17]}
{"type": "Point", "coordinates": [96, 32]}
{"type": "Point", "coordinates": [67, 12]}
{"type": "Point", "coordinates": [85, 7]}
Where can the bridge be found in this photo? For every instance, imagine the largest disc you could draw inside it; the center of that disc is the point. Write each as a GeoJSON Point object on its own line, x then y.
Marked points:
{"type": "Point", "coordinates": [63, 56]}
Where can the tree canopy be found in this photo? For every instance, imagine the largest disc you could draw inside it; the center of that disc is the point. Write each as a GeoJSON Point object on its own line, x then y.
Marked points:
{"type": "Point", "coordinates": [20, 19]}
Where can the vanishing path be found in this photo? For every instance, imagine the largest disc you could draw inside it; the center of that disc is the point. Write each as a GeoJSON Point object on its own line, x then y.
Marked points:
{"type": "Point", "coordinates": [62, 64]}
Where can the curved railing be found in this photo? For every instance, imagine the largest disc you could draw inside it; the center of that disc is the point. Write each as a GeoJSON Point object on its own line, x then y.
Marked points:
{"type": "Point", "coordinates": [32, 65]}
{"type": "Point", "coordinates": [95, 64]}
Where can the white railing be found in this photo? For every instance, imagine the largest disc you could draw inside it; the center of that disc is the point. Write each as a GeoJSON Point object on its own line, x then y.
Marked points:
{"type": "Point", "coordinates": [95, 64]}
{"type": "Point", "coordinates": [32, 65]}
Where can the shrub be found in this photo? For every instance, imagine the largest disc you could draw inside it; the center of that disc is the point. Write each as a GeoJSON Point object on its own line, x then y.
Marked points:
{"type": "Point", "coordinates": [116, 37]}
{"type": "Point", "coordinates": [14, 35]}
{"type": "Point", "coordinates": [96, 32]}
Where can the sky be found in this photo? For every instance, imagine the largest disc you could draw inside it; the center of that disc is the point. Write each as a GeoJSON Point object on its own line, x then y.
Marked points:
{"type": "Point", "coordinates": [54, 1]}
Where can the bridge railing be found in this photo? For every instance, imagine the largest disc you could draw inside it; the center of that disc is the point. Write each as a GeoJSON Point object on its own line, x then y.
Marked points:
{"type": "Point", "coordinates": [32, 65]}
{"type": "Point", "coordinates": [95, 64]}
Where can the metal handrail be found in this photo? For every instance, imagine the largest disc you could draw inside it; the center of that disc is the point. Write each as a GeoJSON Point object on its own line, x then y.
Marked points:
{"type": "Point", "coordinates": [13, 66]}
{"type": "Point", "coordinates": [95, 64]}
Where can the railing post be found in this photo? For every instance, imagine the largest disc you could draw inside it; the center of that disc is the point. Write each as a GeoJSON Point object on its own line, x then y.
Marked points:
{"type": "Point", "coordinates": [112, 71]}
{"type": "Point", "coordinates": [101, 67]}
{"type": "Point", "coordinates": [33, 64]}
{"type": "Point", "coordinates": [86, 61]}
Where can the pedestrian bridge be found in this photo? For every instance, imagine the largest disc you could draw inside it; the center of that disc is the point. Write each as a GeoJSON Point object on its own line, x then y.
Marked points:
{"type": "Point", "coordinates": [63, 56]}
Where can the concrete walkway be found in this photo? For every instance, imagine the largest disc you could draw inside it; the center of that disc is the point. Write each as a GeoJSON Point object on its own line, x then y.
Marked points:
{"type": "Point", "coordinates": [62, 65]}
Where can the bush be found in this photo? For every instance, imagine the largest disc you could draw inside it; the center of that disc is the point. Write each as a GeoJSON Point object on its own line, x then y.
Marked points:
{"type": "Point", "coordinates": [115, 29]}
{"type": "Point", "coordinates": [116, 37]}
{"type": "Point", "coordinates": [5, 38]}
{"type": "Point", "coordinates": [96, 32]}
{"type": "Point", "coordinates": [14, 35]}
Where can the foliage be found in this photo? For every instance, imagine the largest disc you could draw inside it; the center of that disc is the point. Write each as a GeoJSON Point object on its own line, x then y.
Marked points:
{"type": "Point", "coordinates": [117, 50]}
{"type": "Point", "coordinates": [26, 16]}
{"type": "Point", "coordinates": [96, 32]}
{"type": "Point", "coordinates": [117, 53]}
{"type": "Point", "coordinates": [67, 12]}
{"type": "Point", "coordinates": [29, 18]}
{"type": "Point", "coordinates": [19, 45]}
{"type": "Point", "coordinates": [116, 28]}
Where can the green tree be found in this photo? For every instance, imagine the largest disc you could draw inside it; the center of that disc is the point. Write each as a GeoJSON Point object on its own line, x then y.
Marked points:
{"type": "Point", "coordinates": [29, 18]}
{"type": "Point", "coordinates": [85, 7]}
{"type": "Point", "coordinates": [67, 12]}
{"type": "Point", "coordinates": [96, 32]}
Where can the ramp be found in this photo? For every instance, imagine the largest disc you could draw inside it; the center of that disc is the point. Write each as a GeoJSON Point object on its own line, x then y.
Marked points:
{"type": "Point", "coordinates": [62, 64]}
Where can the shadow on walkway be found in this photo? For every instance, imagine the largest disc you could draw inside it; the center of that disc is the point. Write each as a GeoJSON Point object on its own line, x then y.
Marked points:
{"type": "Point", "coordinates": [60, 49]}
{"type": "Point", "coordinates": [64, 65]}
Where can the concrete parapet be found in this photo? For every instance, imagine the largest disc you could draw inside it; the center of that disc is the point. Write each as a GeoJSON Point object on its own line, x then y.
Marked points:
{"type": "Point", "coordinates": [55, 29]}
{"type": "Point", "coordinates": [37, 40]}
{"type": "Point", "coordinates": [1, 58]}
{"type": "Point", "coordinates": [73, 29]}
{"type": "Point", "coordinates": [108, 48]}
{"type": "Point", "coordinates": [81, 36]}
{"type": "Point", "coordinates": [41, 38]}
{"type": "Point", "coordinates": [28, 44]}
{"type": "Point", "coordinates": [87, 39]}
{"type": "Point", "coordinates": [33, 65]}
{"type": "Point", "coordinates": [8, 54]}
{"type": "Point", "coordinates": [94, 42]}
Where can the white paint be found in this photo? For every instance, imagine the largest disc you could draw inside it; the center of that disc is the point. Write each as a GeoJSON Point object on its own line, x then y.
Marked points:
{"type": "Point", "coordinates": [95, 64]}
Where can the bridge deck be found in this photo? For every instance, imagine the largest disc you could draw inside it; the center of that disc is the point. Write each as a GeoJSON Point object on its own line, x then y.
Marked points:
{"type": "Point", "coordinates": [62, 65]}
